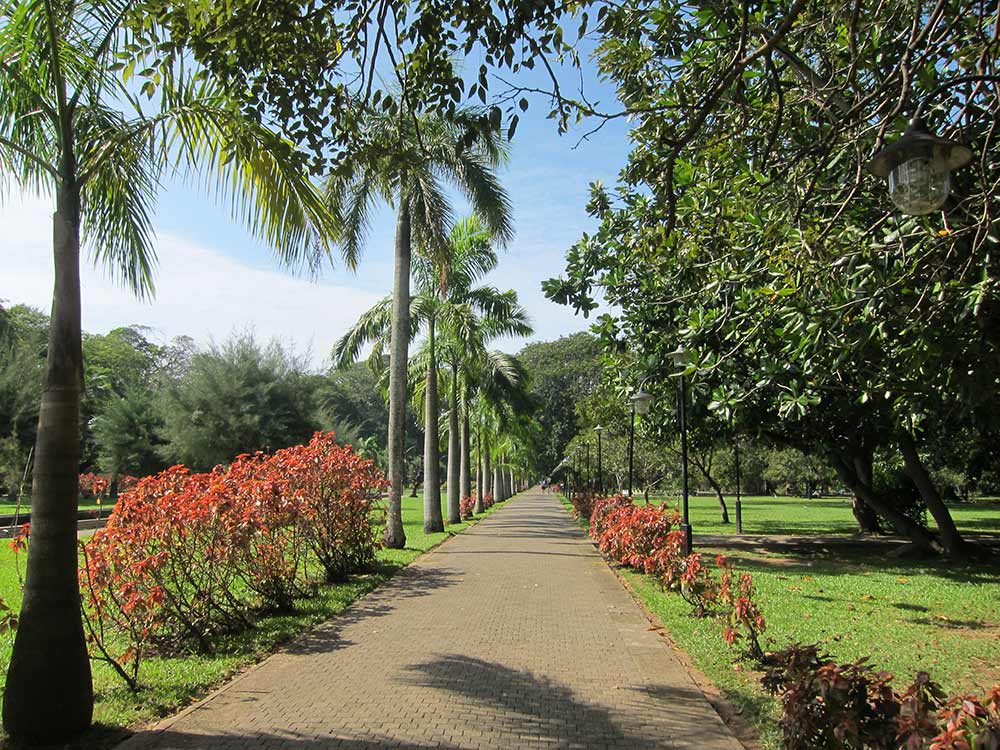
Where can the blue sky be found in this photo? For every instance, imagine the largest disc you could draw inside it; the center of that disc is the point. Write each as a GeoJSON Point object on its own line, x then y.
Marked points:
{"type": "Point", "coordinates": [214, 277]}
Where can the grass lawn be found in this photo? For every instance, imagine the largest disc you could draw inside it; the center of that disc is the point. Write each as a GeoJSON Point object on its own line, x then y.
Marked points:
{"type": "Point", "coordinates": [173, 682]}
{"type": "Point", "coordinates": [797, 515]}
{"type": "Point", "coordinates": [907, 616]}
{"type": "Point", "coordinates": [7, 509]}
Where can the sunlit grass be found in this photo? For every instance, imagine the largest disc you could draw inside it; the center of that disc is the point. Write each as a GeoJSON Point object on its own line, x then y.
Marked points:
{"type": "Point", "coordinates": [768, 514]}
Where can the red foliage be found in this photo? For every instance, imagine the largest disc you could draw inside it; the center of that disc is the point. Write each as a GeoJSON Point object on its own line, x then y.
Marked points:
{"type": "Point", "coordinates": [335, 491]}
{"type": "Point", "coordinates": [744, 618]}
{"type": "Point", "coordinates": [631, 534]}
{"type": "Point", "coordinates": [488, 500]}
{"type": "Point", "coordinates": [185, 557]}
{"type": "Point", "coordinates": [467, 507]}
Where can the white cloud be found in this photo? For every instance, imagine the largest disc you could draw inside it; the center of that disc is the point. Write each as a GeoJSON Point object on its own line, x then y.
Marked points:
{"type": "Point", "coordinates": [200, 292]}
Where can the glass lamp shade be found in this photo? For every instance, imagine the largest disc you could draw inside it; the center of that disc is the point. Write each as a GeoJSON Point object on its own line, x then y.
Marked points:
{"type": "Point", "coordinates": [919, 186]}
{"type": "Point", "coordinates": [598, 429]}
{"type": "Point", "coordinates": [918, 167]}
{"type": "Point", "coordinates": [642, 401]}
{"type": "Point", "coordinates": [678, 356]}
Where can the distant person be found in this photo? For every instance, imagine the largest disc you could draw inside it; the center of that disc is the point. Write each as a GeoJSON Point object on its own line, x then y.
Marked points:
{"type": "Point", "coordinates": [545, 485]}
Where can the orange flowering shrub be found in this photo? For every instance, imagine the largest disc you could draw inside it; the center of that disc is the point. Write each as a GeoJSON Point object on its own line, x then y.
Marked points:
{"type": "Point", "coordinates": [186, 557]}
{"type": "Point", "coordinates": [335, 492]}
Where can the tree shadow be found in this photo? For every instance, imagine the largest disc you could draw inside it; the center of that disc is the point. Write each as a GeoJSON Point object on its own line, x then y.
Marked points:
{"type": "Point", "coordinates": [290, 740]}
{"type": "Point", "coordinates": [551, 714]}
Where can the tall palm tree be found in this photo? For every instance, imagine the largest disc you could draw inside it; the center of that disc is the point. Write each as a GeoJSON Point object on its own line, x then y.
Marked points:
{"type": "Point", "coordinates": [71, 127]}
{"type": "Point", "coordinates": [407, 163]}
{"type": "Point", "coordinates": [498, 395]}
{"type": "Point", "coordinates": [458, 319]}
{"type": "Point", "coordinates": [470, 317]}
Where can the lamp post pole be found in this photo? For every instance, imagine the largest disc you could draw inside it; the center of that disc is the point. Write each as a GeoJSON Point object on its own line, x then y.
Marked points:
{"type": "Point", "coordinates": [589, 477]}
{"type": "Point", "coordinates": [682, 411]}
{"type": "Point", "coordinates": [600, 468]}
{"type": "Point", "coordinates": [631, 448]}
{"type": "Point", "coordinates": [739, 504]}
{"type": "Point", "coordinates": [640, 402]}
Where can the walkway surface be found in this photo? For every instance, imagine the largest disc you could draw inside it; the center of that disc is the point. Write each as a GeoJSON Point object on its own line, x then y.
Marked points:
{"type": "Point", "coordinates": [513, 634]}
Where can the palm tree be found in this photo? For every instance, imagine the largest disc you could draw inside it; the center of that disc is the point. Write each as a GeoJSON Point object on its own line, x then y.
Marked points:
{"type": "Point", "coordinates": [407, 165]}
{"type": "Point", "coordinates": [459, 319]}
{"type": "Point", "coordinates": [70, 126]}
{"type": "Point", "coordinates": [498, 395]}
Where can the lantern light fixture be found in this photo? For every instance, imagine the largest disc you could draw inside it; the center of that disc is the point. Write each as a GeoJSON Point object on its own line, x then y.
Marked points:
{"type": "Point", "coordinates": [918, 167]}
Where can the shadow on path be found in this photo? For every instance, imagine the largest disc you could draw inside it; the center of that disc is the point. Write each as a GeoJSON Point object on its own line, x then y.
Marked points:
{"type": "Point", "coordinates": [528, 705]}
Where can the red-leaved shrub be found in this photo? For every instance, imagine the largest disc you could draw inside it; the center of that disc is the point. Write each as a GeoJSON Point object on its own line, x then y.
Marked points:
{"type": "Point", "coordinates": [186, 557]}
{"type": "Point", "coordinates": [335, 491]}
{"type": "Point", "coordinates": [467, 507]}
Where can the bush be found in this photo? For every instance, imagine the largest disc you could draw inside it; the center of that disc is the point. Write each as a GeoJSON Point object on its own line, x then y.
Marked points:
{"type": "Point", "coordinates": [852, 706]}
{"type": "Point", "coordinates": [632, 534]}
{"type": "Point", "coordinates": [335, 491]}
{"type": "Point", "coordinates": [467, 507]}
{"type": "Point", "coordinates": [268, 541]}
{"type": "Point", "coordinates": [186, 557]}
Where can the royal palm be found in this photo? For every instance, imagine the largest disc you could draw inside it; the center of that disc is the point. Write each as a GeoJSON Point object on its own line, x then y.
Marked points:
{"type": "Point", "coordinates": [407, 161]}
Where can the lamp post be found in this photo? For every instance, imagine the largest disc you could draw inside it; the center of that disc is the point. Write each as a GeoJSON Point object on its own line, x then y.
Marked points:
{"type": "Point", "coordinates": [600, 468]}
{"type": "Point", "coordinates": [679, 357]}
{"type": "Point", "coordinates": [918, 166]}
{"type": "Point", "coordinates": [641, 401]}
{"type": "Point", "coordinates": [589, 476]}
{"type": "Point", "coordinates": [739, 505]}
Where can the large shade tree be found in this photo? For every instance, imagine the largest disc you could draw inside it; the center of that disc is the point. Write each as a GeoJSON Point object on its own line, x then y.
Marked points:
{"type": "Point", "coordinates": [415, 159]}
{"type": "Point", "coordinates": [747, 226]}
{"type": "Point", "coordinates": [71, 128]}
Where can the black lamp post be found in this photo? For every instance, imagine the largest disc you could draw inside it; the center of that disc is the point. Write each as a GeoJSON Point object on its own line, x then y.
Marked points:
{"type": "Point", "coordinates": [600, 468]}
{"type": "Point", "coordinates": [739, 504]}
{"type": "Point", "coordinates": [679, 357]}
{"type": "Point", "coordinates": [918, 166]}
{"type": "Point", "coordinates": [641, 401]}
{"type": "Point", "coordinates": [590, 477]}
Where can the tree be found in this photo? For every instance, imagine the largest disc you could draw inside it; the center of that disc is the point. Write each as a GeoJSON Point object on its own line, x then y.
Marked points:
{"type": "Point", "coordinates": [471, 318]}
{"type": "Point", "coordinates": [70, 125]}
{"type": "Point", "coordinates": [237, 397]}
{"type": "Point", "coordinates": [415, 157]}
{"type": "Point", "coordinates": [561, 373]}
{"type": "Point", "coordinates": [745, 227]}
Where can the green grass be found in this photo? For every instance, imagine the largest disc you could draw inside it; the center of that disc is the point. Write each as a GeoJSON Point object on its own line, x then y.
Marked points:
{"type": "Point", "coordinates": [7, 509]}
{"type": "Point", "coordinates": [799, 516]}
{"type": "Point", "coordinates": [173, 682]}
{"type": "Point", "coordinates": [907, 616]}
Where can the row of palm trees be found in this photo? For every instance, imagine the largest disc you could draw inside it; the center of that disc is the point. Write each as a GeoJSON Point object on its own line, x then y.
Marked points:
{"type": "Point", "coordinates": [73, 126]}
{"type": "Point", "coordinates": [485, 390]}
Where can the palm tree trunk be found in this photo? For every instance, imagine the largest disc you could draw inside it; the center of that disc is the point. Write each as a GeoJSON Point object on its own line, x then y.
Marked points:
{"type": "Point", "coordinates": [465, 475]}
{"type": "Point", "coordinates": [454, 512]}
{"type": "Point", "coordinates": [49, 694]}
{"type": "Point", "coordinates": [483, 474]}
{"type": "Point", "coordinates": [497, 485]}
{"type": "Point", "coordinates": [394, 536]}
{"type": "Point", "coordinates": [433, 522]}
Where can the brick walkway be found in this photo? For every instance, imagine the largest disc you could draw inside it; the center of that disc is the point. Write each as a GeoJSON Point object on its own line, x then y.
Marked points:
{"type": "Point", "coordinates": [514, 634]}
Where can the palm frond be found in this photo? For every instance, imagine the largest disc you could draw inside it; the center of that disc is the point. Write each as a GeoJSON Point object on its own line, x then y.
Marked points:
{"type": "Point", "coordinates": [373, 325]}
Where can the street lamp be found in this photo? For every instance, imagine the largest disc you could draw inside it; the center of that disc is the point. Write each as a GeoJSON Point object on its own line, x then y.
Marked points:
{"type": "Point", "coordinates": [641, 401]}
{"type": "Point", "coordinates": [679, 358]}
{"type": "Point", "coordinates": [918, 166]}
{"type": "Point", "coordinates": [600, 470]}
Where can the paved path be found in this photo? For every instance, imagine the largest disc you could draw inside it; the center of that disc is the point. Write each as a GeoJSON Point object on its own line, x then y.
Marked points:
{"type": "Point", "coordinates": [514, 634]}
